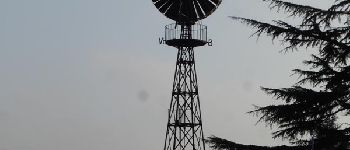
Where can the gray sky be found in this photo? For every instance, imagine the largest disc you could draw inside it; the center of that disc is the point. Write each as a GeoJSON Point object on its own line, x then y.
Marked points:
{"type": "Point", "coordinates": [90, 74]}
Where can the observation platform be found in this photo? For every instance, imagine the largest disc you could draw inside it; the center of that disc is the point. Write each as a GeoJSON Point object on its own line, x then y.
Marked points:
{"type": "Point", "coordinates": [186, 36]}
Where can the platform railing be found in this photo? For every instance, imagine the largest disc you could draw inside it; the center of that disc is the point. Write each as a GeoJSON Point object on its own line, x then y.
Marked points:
{"type": "Point", "coordinates": [198, 32]}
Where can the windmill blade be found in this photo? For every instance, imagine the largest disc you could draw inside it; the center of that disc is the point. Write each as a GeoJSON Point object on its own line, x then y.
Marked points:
{"type": "Point", "coordinates": [207, 6]}
{"type": "Point", "coordinates": [188, 10]}
{"type": "Point", "coordinates": [160, 3]}
{"type": "Point", "coordinates": [173, 10]}
{"type": "Point", "coordinates": [199, 10]}
{"type": "Point", "coordinates": [217, 2]}
{"type": "Point", "coordinates": [166, 6]}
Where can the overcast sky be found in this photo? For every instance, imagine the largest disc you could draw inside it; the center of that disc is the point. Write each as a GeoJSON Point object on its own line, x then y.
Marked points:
{"type": "Point", "coordinates": [90, 74]}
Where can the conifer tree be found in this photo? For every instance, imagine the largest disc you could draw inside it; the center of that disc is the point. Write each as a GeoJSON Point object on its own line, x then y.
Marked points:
{"type": "Point", "coordinates": [313, 105]}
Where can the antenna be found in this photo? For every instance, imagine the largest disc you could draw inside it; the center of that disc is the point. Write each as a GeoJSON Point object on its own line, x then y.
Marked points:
{"type": "Point", "coordinates": [184, 127]}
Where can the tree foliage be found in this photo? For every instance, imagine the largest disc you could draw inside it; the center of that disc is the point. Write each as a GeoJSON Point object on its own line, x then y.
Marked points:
{"type": "Point", "coordinates": [314, 104]}
{"type": "Point", "coordinates": [220, 144]}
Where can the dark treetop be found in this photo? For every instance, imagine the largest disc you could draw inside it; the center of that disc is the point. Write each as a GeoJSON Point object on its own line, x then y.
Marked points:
{"type": "Point", "coordinates": [314, 104]}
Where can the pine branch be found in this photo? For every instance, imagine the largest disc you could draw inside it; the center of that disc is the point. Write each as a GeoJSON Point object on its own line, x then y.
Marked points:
{"type": "Point", "coordinates": [324, 72]}
{"type": "Point", "coordinates": [305, 110]}
{"type": "Point", "coordinates": [315, 78]}
{"type": "Point", "coordinates": [296, 37]}
{"type": "Point", "coordinates": [343, 5]}
{"type": "Point", "coordinates": [294, 9]}
{"type": "Point", "coordinates": [309, 13]}
{"type": "Point", "coordinates": [293, 130]}
{"type": "Point", "coordinates": [295, 94]}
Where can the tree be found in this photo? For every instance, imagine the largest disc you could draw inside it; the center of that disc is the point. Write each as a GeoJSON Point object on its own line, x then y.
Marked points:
{"type": "Point", "coordinates": [313, 105]}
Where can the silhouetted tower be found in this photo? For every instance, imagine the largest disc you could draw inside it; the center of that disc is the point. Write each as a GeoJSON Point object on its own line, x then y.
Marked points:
{"type": "Point", "coordinates": [184, 128]}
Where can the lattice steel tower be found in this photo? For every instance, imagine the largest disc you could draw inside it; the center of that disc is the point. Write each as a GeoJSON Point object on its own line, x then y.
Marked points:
{"type": "Point", "coordinates": [184, 127]}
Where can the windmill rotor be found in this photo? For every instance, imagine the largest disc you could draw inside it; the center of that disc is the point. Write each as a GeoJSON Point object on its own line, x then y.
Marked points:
{"type": "Point", "coordinates": [187, 10]}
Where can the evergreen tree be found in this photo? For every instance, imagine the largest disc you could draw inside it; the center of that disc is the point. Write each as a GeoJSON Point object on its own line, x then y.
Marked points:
{"type": "Point", "coordinates": [313, 105]}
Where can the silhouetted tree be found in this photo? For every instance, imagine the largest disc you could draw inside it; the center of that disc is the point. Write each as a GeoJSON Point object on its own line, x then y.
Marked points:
{"type": "Point", "coordinates": [313, 105]}
{"type": "Point", "coordinates": [219, 143]}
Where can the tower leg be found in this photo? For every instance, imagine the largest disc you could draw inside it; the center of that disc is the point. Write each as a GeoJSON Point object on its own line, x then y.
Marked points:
{"type": "Point", "coordinates": [184, 128]}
